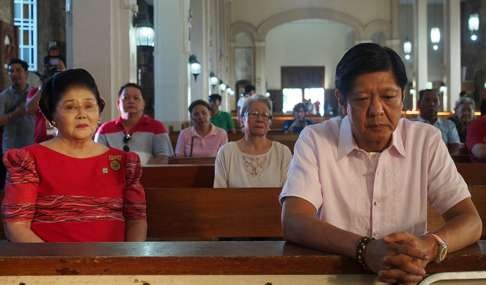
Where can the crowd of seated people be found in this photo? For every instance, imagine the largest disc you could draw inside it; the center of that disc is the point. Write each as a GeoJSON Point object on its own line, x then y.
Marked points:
{"type": "Point", "coordinates": [346, 176]}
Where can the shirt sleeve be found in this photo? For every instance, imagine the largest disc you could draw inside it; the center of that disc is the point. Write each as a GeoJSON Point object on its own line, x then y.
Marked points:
{"type": "Point", "coordinates": [21, 186]}
{"type": "Point", "coordinates": [453, 134]}
{"type": "Point", "coordinates": [220, 170]}
{"type": "Point", "coordinates": [231, 124]}
{"type": "Point", "coordinates": [101, 138]}
{"type": "Point", "coordinates": [134, 204]}
{"type": "Point", "coordinates": [287, 156]}
{"type": "Point", "coordinates": [179, 151]}
{"type": "Point", "coordinates": [286, 125]}
{"type": "Point", "coordinates": [446, 187]}
{"type": "Point", "coordinates": [303, 175]}
{"type": "Point", "coordinates": [161, 145]}
{"type": "Point", "coordinates": [2, 103]}
{"type": "Point", "coordinates": [224, 139]}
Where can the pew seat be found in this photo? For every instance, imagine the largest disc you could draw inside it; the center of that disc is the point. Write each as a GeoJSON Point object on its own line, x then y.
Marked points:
{"type": "Point", "coordinates": [268, 262]}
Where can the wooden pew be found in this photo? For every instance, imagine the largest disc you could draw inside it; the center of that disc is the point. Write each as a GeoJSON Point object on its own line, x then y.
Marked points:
{"type": "Point", "coordinates": [474, 173]}
{"type": "Point", "coordinates": [209, 214]}
{"type": "Point", "coordinates": [178, 175]}
{"type": "Point", "coordinates": [192, 160]}
{"type": "Point", "coordinates": [203, 175]}
{"type": "Point", "coordinates": [244, 262]}
{"type": "Point", "coordinates": [478, 196]}
{"type": "Point", "coordinates": [275, 135]}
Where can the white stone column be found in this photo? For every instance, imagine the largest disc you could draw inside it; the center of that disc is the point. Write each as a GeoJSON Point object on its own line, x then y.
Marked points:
{"type": "Point", "coordinates": [260, 81]}
{"type": "Point", "coordinates": [394, 42]}
{"type": "Point", "coordinates": [171, 55]}
{"type": "Point", "coordinates": [199, 47]}
{"type": "Point", "coordinates": [100, 42]}
{"type": "Point", "coordinates": [453, 56]}
{"type": "Point", "coordinates": [421, 33]}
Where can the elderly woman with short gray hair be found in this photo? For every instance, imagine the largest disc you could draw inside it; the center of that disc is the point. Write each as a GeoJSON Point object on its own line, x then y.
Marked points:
{"type": "Point", "coordinates": [463, 115]}
{"type": "Point", "coordinates": [254, 160]}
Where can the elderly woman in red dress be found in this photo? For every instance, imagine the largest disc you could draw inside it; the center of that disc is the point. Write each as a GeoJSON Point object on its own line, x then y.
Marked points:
{"type": "Point", "coordinates": [69, 188]}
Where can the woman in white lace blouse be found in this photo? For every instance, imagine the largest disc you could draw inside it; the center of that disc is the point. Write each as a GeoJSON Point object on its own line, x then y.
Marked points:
{"type": "Point", "coordinates": [254, 160]}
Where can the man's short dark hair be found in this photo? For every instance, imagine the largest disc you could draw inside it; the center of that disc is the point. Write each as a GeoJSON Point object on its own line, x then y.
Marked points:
{"type": "Point", "coordinates": [425, 91]}
{"type": "Point", "coordinates": [249, 88]}
{"type": "Point", "coordinates": [22, 63]}
{"type": "Point", "coordinates": [129, 84]}
{"type": "Point", "coordinates": [298, 107]}
{"type": "Point", "coordinates": [366, 58]}
{"type": "Point", "coordinates": [199, 103]}
{"type": "Point", "coordinates": [214, 97]}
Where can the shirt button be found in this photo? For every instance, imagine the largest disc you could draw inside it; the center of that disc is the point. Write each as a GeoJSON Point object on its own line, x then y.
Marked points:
{"type": "Point", "coordinates": [374, 203]}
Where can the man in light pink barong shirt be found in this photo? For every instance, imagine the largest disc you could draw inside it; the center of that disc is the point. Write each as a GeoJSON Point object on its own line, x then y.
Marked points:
{"type": "Point", "coordinates": [359, 185]}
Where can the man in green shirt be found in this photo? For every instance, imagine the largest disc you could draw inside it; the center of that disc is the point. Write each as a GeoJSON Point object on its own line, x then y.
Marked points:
{"type": "Point", "coordinates": [219, 118]}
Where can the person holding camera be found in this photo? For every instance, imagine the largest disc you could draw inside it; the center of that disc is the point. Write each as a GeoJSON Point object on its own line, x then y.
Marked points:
{"type": "Point", "coordinates": [53, 64]}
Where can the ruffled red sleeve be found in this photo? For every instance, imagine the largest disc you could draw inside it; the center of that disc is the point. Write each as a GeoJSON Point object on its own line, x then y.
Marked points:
{"type": "Point", "coordinates": [135, 206]}
{"type": "Point", "coordinates": [21, 186]}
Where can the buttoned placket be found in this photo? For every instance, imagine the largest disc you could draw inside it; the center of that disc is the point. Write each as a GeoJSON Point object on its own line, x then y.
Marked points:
{"type": "Point", "coordinates": [373, 169]}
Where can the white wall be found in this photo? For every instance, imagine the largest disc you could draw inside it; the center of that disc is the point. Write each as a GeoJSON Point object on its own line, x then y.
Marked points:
{"type": "Point", "coordinates": [305, 43]}
{"type": "Point", "coordinates": [256, 11]}
{"type": "Point", "coordinates": [102, 45]}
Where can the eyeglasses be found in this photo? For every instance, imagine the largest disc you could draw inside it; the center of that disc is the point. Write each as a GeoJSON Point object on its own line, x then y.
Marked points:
{"type": "Point", "coordinates": [126, 139]}
{"type": "Point", "coordinates": [256, 115]}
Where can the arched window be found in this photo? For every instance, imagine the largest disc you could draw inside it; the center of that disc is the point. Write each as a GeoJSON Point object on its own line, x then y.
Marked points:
{"type": "Point", "coordinates": [25, 19]}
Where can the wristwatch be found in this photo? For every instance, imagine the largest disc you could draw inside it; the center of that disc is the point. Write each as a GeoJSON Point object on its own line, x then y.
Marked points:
{"type": "Point", "coordinates": [442, 248]}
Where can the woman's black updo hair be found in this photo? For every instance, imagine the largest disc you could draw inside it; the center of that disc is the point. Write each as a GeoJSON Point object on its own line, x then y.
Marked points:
{"type": "Point", "coordinates": [56, 86]}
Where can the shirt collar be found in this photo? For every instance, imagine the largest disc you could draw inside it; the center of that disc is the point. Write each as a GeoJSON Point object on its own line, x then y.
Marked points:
{"type": "Point", "coordinates": [212, 132]}
{"type": "Point", "coordinates": [347, 144]}
{"type": "Point", "coordinates": [143, 120]}
{"type": "Point", "coordinates": [421, 119]}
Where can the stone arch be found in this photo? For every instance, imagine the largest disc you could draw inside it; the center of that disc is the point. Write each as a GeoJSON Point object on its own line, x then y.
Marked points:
{"type": "Point", "coordinates": [376, 27]}
{"type": "Point", "coordinates": [309, 13]}
{"type": "Point", "coordinates": [243, 27]}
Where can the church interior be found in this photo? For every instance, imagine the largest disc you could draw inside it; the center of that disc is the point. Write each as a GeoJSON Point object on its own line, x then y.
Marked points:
{"type": "Point", "coordinates": [189, 60]}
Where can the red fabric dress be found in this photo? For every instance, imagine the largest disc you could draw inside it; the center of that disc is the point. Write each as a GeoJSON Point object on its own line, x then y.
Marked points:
{"type": "Point", "coordinates": [73, 199]}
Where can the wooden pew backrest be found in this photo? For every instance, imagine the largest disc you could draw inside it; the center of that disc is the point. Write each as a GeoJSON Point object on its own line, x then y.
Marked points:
{"type": "Point", "coordinates": [478, 196]}
{"type": "Point", "coordinates": [209, 214]}
{"type": "Point", "coordinates": [178, 175]}
{"type": "Point", "coordinates": [474, 173]}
